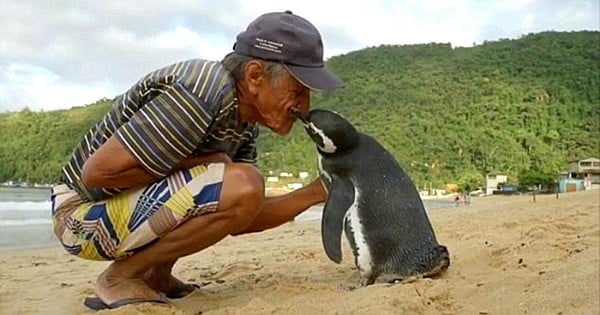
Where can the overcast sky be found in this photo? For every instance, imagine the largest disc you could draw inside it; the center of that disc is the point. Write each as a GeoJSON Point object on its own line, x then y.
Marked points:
{"type": "Point", "coordinates": [58, 54]}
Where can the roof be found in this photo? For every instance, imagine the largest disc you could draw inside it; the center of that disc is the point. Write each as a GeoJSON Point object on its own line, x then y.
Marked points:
{"type": "Point", "coordinates": [586, 160]}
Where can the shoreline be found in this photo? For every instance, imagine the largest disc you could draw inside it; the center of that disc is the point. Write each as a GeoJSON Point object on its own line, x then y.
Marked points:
{"type": "Point", "coordinates": [40, 235]}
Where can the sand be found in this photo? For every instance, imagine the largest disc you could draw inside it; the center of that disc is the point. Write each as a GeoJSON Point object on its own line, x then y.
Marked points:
{"type": "Point", "coordinates": [509, 256]}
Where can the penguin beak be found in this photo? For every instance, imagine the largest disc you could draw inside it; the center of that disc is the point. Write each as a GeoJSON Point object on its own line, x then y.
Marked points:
{"type": "Point", "coordinates": [300, 115]}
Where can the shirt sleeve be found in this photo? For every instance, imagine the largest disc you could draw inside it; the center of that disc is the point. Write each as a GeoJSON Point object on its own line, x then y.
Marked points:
{"type": "Point", "coordinates": [166, 129]}
{"type": "Point", "coordinates": [247, 152]}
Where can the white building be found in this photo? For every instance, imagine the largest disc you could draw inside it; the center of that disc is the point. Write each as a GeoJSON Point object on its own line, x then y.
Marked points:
{"type": "Point", "coordinates": [492, 181]}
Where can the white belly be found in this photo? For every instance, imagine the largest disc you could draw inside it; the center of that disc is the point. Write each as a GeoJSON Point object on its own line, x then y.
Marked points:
{"type": "Point", "coordinates": [363, 253]}
{"type": "Point", "coordinates": [320, 165]}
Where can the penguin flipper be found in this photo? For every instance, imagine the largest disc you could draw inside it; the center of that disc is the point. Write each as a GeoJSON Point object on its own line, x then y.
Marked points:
{"type": "Point", "coordinates": [339, 200]}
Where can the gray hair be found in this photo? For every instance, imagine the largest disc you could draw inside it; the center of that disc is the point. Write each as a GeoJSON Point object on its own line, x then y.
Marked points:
{"type": "Point", "coordinates": [236, 63]}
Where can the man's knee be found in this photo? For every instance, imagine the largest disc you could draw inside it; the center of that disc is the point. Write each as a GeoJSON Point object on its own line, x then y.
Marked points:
{"type": "Point", "coordinates": [242, 192]}
{"type": "Point", "coordinates": [246, 175]}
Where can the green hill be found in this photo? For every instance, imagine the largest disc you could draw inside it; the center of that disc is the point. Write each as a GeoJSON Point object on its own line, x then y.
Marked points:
{"type": "Point", "coordinates": [444, 112]}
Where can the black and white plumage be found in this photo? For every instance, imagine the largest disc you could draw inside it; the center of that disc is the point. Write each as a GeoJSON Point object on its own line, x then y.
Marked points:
{"type": "Point", "coordinates": [374, 202]}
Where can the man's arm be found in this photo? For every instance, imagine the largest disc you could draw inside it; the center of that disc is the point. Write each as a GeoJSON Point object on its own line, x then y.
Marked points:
{"type": "Point", "coordinates": [113, 166]}
{"type": "Point", "coordinates": [278, 210]}
{"type": "Point", "coordinates": [191, 161]}
{"type": "Point", "coordinates": [153, 142]}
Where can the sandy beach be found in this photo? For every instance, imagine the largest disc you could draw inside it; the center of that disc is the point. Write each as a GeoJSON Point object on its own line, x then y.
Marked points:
{"type": "Point", "coordinates": [509, 256]}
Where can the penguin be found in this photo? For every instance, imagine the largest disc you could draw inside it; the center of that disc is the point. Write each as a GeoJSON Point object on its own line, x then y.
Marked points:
{"type": "Point", "coordinates": [374, 202]}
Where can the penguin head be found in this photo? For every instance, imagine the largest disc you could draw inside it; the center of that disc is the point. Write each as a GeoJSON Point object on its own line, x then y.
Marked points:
{"type": "Point", "coordinates": [330, 131]}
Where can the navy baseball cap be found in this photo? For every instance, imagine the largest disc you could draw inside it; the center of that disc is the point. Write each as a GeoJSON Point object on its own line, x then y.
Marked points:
{"type": "Point", "coordinates": [292, 40]}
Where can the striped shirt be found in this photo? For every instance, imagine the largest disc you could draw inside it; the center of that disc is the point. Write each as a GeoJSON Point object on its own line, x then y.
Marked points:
{"type": "Point", "coordinates": [188, 108]}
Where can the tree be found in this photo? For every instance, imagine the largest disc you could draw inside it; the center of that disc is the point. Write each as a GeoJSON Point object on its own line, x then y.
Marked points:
{"type": "Point", "coordinates": [536, 179]}
{"type": "Point", "coordinates": [469, 181]}
{"type": "Point", "coordinates": [501, 106]}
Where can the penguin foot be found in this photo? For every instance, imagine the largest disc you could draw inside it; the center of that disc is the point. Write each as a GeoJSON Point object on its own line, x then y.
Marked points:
{"type": "Point", "coordinates": [348, 287]}
{"type": "Point", "coordinates": [404, 280]}
{"type": "Point", "coordinates": [442, 264]}
{"type": "Point", "coordinates": [363, 282]}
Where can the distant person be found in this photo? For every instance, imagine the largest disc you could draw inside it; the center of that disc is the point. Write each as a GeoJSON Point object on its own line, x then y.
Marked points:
{"type": "Point", "coordinates": [169, 171]}
{"type": "Point", "coordinates": [457, 200]}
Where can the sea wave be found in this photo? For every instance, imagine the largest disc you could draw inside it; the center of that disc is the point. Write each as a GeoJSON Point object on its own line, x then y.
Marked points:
{"type": "Point", "coordinates": [26, 222]}
{"type": "Point", "coordinates": [25, 206]}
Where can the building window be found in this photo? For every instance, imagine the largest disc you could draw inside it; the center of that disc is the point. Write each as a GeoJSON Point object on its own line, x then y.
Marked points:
{"type": "Point", "coordinates": [585, 164]}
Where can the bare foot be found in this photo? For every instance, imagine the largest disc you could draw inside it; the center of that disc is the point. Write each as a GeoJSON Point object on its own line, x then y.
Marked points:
{"type": "Point", "coordinates": [164, 281]}
{"type": "Point", "coordinates": [112, 286]}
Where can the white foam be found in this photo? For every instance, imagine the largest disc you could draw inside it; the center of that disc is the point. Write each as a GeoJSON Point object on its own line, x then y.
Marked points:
{"type": "Point", "coordinates": [25, 206]}
{"type": "Point", "coordinates": [26, 222]}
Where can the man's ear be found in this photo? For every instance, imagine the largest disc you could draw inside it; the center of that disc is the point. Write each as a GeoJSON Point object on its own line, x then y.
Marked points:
{"type": "Point", "coordinates": [254, 75]}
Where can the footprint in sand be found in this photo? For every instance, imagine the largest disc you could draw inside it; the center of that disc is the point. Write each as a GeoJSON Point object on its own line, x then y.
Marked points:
{"type": "Point", "coordinates": [237, 268]}
{"type": "Point", "coordinates": [510, 225]}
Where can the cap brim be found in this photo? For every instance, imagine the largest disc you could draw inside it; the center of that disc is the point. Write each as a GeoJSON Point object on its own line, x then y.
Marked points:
{"type": "Point", "coordinates": [315, 78]}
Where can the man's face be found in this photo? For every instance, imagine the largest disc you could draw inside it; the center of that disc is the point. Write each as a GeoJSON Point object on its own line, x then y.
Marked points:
{"type": "Point", "coordinates": [277, 97]}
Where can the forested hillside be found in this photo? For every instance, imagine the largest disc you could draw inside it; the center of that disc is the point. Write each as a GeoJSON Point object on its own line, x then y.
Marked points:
{"type": "Point", "coordinates": [445, 113]}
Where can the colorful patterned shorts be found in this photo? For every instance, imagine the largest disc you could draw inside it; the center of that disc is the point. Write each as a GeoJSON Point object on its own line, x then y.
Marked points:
{"type": "Point", "coordinates": [115, 228]}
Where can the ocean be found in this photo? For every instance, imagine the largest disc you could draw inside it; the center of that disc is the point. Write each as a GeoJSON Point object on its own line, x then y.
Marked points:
{"type": "Point", "coordinates": [25, 218]}
{"type": "Point", "coordinates": [26, 221]}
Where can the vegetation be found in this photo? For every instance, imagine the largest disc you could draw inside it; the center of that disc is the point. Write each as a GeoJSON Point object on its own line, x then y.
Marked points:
{"type": "Point", "coordinates": [536, 178]}
{"type": "Point", "coordinates": [470, 180]}
{"type": "Point", "coordinates": [447, 114]}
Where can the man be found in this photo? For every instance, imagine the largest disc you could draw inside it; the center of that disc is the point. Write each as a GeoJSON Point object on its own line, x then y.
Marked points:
{"type": "Point", "coordinates": [168, 171]}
